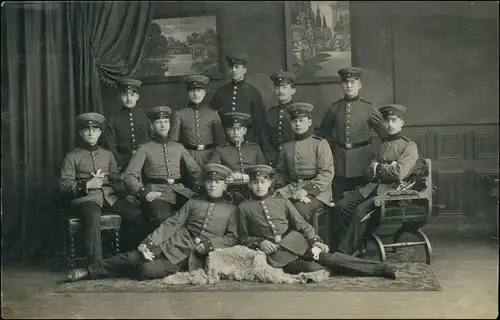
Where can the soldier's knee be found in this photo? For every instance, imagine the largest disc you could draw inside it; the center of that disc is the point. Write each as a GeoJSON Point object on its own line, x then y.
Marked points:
{"type": "Point", "coordinates": [148, 271]}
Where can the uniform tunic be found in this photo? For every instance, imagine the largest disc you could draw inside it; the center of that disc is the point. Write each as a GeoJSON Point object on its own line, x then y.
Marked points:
{"type": "Point", "coordinates": [242, 97]}
{"type": "Point", "coordinates": [126, 129]}
{"type": "Point", "coordinates": [236, 157]}
{"type": "Point", "coordinates": [349, 122]}
{"type": "Point", "coordinates": [76, 170]}
{"type": "Point", "coordinates": [198, 125]}
{"type": "Point", "coordinates": [156, 161]}
{"type": "Point", "coordinates": [215, 220]}
{"type": "Point", "coordinates": [280, 131]}
{"type": "Point", "coordinates": [306, 164]}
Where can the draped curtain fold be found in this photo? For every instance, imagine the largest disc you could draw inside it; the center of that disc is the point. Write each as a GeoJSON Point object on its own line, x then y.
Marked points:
{"type": "Point", "coordinates": [55, 56]}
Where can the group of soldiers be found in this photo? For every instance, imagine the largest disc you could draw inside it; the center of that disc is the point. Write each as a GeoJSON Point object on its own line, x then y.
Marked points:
{"type": "Point", "coordinates": [179, 167]}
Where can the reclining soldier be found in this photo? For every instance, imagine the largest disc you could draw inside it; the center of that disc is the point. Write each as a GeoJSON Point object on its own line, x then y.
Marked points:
{"type": "Point", "coordinates": [274, 225]}
{"type": "Point", "coordinates": [181, 242]}
{"type": "Point", "coordinates": [392, 163]}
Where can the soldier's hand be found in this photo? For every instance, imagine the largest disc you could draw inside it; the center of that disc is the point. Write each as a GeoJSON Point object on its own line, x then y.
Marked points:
{"type": "Point", "coordinates": [237, 176]}
{"type": "Point", "coordinates": [152, 195]}
{"type": "Point", "coordinates": [98, 174]}
{"type": "Point", "coordinates": [394, 163]}
{"type": "Point", "coordinates": [268, 247]}
{"type": "Point", "coordinates": [95, 183]}
{"type": "Point", "coordinates": [299, 194]}
{"type": "Point", "coordinates": [200, 247]}
{"type": "Point", "coordinates": [146, 253]}
{"type": "Point", "coordinates": [324, 248]}
{"type": "Point", "coordinates": [305, 200]}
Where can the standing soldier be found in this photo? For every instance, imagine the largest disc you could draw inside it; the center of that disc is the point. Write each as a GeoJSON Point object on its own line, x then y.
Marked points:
{"type": "Point", "coordinates": [240, 96]}
{"type": "Point", "coordinates": [155, 170]}
{"type": "Point", "coordinates": [278, 120]}
{"type": "Point", "coordinates": [129, 127]}
{"type": "Point", "coordinates": [198, 126]}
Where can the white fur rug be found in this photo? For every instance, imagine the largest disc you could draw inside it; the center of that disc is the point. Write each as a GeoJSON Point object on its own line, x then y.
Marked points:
{"type": "Point", "coordinates": [240, 263]}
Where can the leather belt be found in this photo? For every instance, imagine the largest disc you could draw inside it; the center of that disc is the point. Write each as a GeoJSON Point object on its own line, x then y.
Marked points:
{"type": "Point", "coordinates": [162, 181]}
{"type": "Point", "coordinates": [349, 145]}
{"type": "Point", "coordinates": [199, 147]}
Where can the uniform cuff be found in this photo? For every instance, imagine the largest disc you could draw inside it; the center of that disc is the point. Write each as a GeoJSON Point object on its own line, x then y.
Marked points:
{"type": "Point", "coordinates": [208, 245]}
{"type": "Point", "coordinates": [314, 240]}
{"type": "Point", "coordinates": [81, 189]}
{"type": "Point", "coordinates": [256, 243]}
{"type": "Point", "coordinates": [141, 194]}
{"type": "Point", "coordinates": [149, 244]}
{"type": "Point", "coordinates": [312, 189]}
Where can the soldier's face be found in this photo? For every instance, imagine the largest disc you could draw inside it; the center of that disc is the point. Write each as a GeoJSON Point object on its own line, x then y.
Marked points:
{"type": "Point", "coordinates": [161, 127]}
{"type": "Point", "coordinates": [237, 71]}
{"type": "Point", "coordinates": [129, 98]}
{"type": "Point", "coordinates": [215, 188]}
{"type": "Point", "coordinates": [196, 95]}
{"type": "Point", "coordinates": [91, 135]}
{"type": "Point", "coordinates": [260, 186]}
{"type": "Point", "coordinates": [284, 92]}
{"type": "Point", "coordinates": [236, 132]}
{"type": "Point", "coordinates": [351, 87]}
{"type": "Point", "coordinates": [393, 124]}
{"type": "Point", "coordinates": [301, 124]}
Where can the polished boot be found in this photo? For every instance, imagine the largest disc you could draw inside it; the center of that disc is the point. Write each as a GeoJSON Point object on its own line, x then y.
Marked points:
{"type": "Point", "coordinates": [345, 264]}
{"type": "Point", "coordinates": [78, 274]}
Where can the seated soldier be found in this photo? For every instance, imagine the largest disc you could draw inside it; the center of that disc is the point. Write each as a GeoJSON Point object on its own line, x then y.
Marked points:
{"type": "Point", "coordinates": [90, 180]}
{"type": "Point", "coordinates": [391, 164]}
{"type": "Point", "coordinates": [306, 165]}
{"type": "Point", "coordinates": [273, 225]}
{"type": "Point", "coordinates": [155, 170]}
{"type": "Point", "coordinates": [181, 242]}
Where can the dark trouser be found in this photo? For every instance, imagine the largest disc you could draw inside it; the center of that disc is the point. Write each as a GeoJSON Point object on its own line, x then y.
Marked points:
{"type": "Point", "coordinates": [306, 209]}
{"type": "Point", "coordinates": [132, 263]}
{"type": "Point", "coordinates": [90, 213]}
{"type": "Point", "coordinates": [351, 210]}
{"type": "Point", "coordinates": [158, 211]}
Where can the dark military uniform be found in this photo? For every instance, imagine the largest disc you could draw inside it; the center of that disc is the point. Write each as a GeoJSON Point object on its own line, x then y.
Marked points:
{"type": "Point", "coordinates": [77, 169]}
{"type": "Point", "coordinates": [278, 121]}
{"type": "Point", "coordinates": [201, 220]}
{"type": "Point", "coordinates": [277, 220]}
{"type": "Point", "coordinates": [385, 177]}
{"type": "Point", "coordinates": [347, 125]}
{"type": "Point", "coordinates": [198, 126]}
{"type": "Point", "coordinates": [158, 165]}
{"type": "Point", "coordinates": [241, 97]}
{"type": "Point", "coordinates": [127, 128]}
{"type": "Point", "coordinates": [306, 163]}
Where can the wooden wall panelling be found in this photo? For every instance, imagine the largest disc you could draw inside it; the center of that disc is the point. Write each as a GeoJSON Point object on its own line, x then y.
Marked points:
{"type": "Point", "coordinates": [450, 191]}
{"type": "Point", "coordinates": [485, 202]}
{"type": "Point", "coordinates": [450, 145]}
{"type": "Point", "coordinates": [486, 145]}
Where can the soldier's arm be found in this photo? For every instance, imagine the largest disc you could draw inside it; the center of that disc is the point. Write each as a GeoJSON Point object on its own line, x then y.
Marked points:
{"type": "Point", "coordinates": [168, 227]}
{"type": "Point", "coordinates": [175, 126]}
{"type": "Point", "coordinates": [403, 166]}
{"type": "Point", "coordinates": [376, 122]}
{"type": "Point", "coordinates": [215, 156]}
{"type": "Point", "coordinates": [230, 238]}
{"type": "Point", "coordinates": [261, 158]}
{"type": "Point", "coordinates": [280, 179]}
{"type": "Point", "coordinates": [261, 129]}
{"type": "Point", "coordinates": [325, 169]}
{"type": "Point", "coordinates": [246, 239]}
{"type": "Point", "coordinates": [70, 188]}
{"type": "Point", "coordinates": [110, 142]}
{"type": "Point", "coordinates": [218, 130]}
{"type": "Point", "coordinates": [327, 124]}
{"type": "Point", "coordinates": [114, 178]}
{"type": "Point", "coordinates": [191, 166]}
{"type": "Point", "coordinates": [132, 175]}
{"type": "Point", "coordinates": [369, 172]}
{"type": "Point", "coordinates": [299, 224]}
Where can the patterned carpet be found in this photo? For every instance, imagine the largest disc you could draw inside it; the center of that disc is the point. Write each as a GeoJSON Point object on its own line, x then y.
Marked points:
{"type": "Point", "coordinates": [411, 276]}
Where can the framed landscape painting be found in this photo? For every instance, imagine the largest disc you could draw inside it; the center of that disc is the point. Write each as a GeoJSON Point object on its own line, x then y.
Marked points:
{"type": "Point", "coordinates": [182, 45]}
{"type": "Point", "coordinates": [318, 35]}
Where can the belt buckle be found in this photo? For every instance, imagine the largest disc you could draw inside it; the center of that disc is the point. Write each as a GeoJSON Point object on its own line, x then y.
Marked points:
{"type": "Point", "coordinates": [200, 147]}
{"type": "Point", "coordinates": [197, 240]}
{"type": "Point", "coordinates": [348, 145]}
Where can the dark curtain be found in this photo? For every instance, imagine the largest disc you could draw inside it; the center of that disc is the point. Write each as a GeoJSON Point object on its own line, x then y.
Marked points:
{"type": "Point", "coordinates": [55, 56]}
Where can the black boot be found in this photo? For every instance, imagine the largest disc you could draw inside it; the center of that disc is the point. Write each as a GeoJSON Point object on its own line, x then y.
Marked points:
{"type": "Point", "coordinates": [345, 264]}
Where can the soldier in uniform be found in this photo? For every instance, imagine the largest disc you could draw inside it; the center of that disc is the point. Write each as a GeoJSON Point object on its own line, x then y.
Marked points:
{"type": "Point", "coordinates": [273, 225]}
{"type": "Point", "coordinates": [278, 120]}
{"type": "Point", "coordinates": [181, 242]}
{"type": "Point", "coordinates": [240, 96]}
{"type": "Point", "coordinates": [392, 163]}
{"type": "Point", "coordinates": [198, 126]}
{"type": "Point", "coordinates": [129, 127]}
{"type": "Point", "coordinates": [305, 169]}
{"type": "Point", "coordinates": [155, 170]}
{"type": "Point", "coordinates": [237, 154]}
{"type": "Point", "coordinates": [347, 125]}
{"type": "Point", "coordinates": [90, 181]}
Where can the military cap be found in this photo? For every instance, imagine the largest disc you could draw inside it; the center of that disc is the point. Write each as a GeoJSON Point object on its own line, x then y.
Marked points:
{"type": "Point", "coordinates": [196, 81]}
{"type": "Point", "coordinates": [351, 72]}
{"type": "Point", "coordinates": [90, 119]}
{"type": "Point", "coordinates": [231, 118]}
{"type": "Point", "coordinates": [237, 58]}
{"type": "Point", "coordinates": [129, 84]}
{"type": "Point", "coordinates": [283, 77]}
{"type": "Point", "coordinates": [299, 109]}
{"type": "Point", "coordinates": [160, 112]}
{"type": "Point", "coordinates": [396, 110]}
{"type": "Point", "coordinates": [259, 171]}
{"type": "Point", "coordinates": [216, 171]}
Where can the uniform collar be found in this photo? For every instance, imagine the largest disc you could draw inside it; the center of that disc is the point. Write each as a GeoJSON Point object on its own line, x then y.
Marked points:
{"type": "Point", "coordinates": [215, 200]}
{"type": "Point", "coordinates": [264, 197]}
{"type": "Point", "coordinates": [231, 143]}
{"type": "Point", "coordinates": [161, 139]}
{"type": "Point", "coordinates": [285, 104]}
{"type": "Point", "coordinates": [196, 106]}
{"type": "Point", "coordinates": [237, 83]}
{"type": "Point", "coordinates": [88, 147]}
{"type": "Point", "coordinates": [305, 135]}
{"type": "Point", "coordinates": [393, 137]}
{"type": "Point", "coordinates": [352, 99]}
{"type": "Point", "coordinates": [127, 110]}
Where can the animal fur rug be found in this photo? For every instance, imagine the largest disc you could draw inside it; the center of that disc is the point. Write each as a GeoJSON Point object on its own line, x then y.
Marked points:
{"type": "Point", "coordinates": [240, 263]}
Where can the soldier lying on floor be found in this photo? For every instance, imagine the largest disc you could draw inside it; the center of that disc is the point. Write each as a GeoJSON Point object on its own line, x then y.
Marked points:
{"type": "Point", "coordinates": [274, 225]}
{"type": "Point", "coordinates": [183, 241]}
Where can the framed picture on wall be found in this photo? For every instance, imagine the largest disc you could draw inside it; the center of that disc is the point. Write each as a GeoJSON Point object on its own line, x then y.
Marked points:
{"type": "Point", "coordinates": [318, 39]}
{"type": "Point", "coordinates": [180, 45]}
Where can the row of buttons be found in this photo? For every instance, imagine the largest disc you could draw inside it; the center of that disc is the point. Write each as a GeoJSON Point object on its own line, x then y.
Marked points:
{"type": "Point", "coordinates": [207, 220]}
{"type": "Point", "coordinates": [234, 98]}
{"type": "Point", "coordinates": [134, 146]}
{"type": "Point", "coordinates": [277, 237]}
{"type": "Point", "coordinates": [166, 159]}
